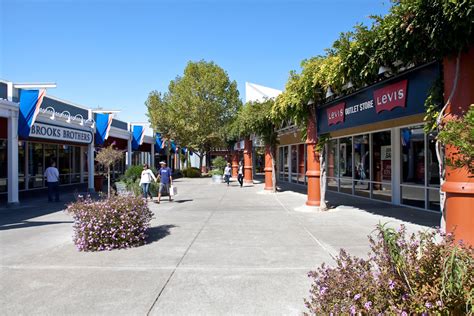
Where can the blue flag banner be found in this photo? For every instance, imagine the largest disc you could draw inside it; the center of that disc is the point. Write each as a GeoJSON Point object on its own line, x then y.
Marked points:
{"type": "Point", "coordinates": [138, 132]}
{"type": "Point", "coordinates": [173, 147]}
{"type": "Point", "coordinates": [30, 102]}
{"type": "Point", "coordinates": [103, 121]}
{"type": "Point", "coordinates": [159, 143]}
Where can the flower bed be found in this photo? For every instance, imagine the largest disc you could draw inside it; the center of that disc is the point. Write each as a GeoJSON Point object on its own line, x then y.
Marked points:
{"type": "Point", "coordinates": [424, 274]}
{"type": "Point", "coordinates": [118, 222]}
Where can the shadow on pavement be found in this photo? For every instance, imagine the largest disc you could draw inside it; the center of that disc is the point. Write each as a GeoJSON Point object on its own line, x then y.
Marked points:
{"type": "Point", "coordinates": [158, 232]}
{"type": "Point", "coordinates": [25, 224]}
{"type": "Point", "coordinates": [183, 201]}
{"type": "Point", "coordinates": [406, 214]}
{"type": "Point", "coordinates": [29, 210]}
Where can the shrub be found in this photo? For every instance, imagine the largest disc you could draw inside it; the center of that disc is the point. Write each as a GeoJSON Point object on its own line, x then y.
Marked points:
{"type": "Point", "coordinates": [135, 172]}
{"type": "Point", "coordinates": [219, 163]}
{"type": "Point", "coordinates": [191, 172]}
{"type": "Point", "coordinates": [216, 172]}
{"type": "Point", "coordinates": [424, 273]}
{"type": "Point", "coordinates": [117, 222]}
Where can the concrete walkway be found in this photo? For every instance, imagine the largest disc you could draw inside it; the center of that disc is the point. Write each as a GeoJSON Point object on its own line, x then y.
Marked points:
{"type": "Point", "coordinates": [215, 250]}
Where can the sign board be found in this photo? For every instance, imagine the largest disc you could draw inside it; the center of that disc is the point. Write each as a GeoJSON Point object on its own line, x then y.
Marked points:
{"type": "Point", "coordinates": [60, 133]}
{"type": "Point", "coordinates": [398, 97]}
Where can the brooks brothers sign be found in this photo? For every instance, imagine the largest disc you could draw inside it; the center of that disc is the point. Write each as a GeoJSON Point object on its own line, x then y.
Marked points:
{"type": "Point", "coordinates": [59, 133]}
{"type": "Point", "coordinates": [402, 96]}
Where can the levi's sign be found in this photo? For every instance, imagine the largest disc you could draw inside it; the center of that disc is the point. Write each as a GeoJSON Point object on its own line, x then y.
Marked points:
{"type": "Point", "coordinates": [59, 133]}
{"type": "Point", "coordinates": [391, 96]}
{"type": "Point", "coordinates": [336, 113]}
{"type": "Point", "coordinates": [390, 100]}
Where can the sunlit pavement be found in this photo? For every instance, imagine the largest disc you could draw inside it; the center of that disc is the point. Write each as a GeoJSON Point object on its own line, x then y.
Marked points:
{"type": "Point", "coordinates": [215, 250]}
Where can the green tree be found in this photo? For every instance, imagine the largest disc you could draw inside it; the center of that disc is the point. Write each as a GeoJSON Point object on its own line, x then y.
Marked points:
{"type": "Point", "coordinates": [107, 157]}
{"type": "Point", "coordinates": [255, 118]}
{"type": "Point", "coordinates": [196, 108]}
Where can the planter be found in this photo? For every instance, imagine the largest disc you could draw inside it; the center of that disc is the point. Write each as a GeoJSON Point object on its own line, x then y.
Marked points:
{"type": "Point", "coordinates": [98, 183]}
{"type": "Point", "coordinates": [121, 188]}
{"type": "Point", "coordinates": [216, 179]}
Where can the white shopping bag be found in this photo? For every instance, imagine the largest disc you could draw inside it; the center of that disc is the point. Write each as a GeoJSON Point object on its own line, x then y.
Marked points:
{"type": "Point", "coordinates": [173, 190]}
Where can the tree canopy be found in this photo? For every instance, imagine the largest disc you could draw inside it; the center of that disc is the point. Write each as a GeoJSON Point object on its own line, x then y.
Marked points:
{"type": "Point", "coordinates": [412, 33]}
{"type": "Point", "coordinates": [197, 107]}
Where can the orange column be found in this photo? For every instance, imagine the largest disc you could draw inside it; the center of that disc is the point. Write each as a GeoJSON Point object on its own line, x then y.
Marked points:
{"type": "Point", "coordinates": [268, 169]}
{"type": "Point", "coordinates": [248, 174]}
{"type": "Point", "coordinates": [235, 163]}
{"type": "Point", "coordinates": [459, 185]}
{"type": "Point", "coordinates": [312, 163]}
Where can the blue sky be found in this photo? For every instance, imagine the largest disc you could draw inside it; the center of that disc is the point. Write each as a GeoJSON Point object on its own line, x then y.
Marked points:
{"type": "Point", "coordinates": [113, 53]}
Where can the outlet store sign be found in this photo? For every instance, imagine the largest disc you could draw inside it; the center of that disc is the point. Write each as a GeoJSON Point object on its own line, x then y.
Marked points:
{"type": "Point", "coordinates": [59, 133]}
{"type": "Point", "coordinates": [396, 98]}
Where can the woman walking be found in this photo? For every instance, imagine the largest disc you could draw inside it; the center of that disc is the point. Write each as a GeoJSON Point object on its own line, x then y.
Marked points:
{"type": "Point", "coordinates": [240, 175]}
{"type": "Point", "coordinates": [145, 180]}
{"type": "Point", "coordinates": [227, 173]}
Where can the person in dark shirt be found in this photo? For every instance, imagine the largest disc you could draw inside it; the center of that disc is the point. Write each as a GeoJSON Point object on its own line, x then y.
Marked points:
{"type": "Point", "coordinates": [164, 174]}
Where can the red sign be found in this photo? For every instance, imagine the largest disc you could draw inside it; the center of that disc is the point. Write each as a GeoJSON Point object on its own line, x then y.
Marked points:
{"type": "Point", "coordinates": [390, 97]}
{"type": "Point", "coordinates": [336, 113]}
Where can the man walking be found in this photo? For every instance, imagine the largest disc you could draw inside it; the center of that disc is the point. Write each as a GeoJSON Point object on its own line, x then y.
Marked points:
{"type": "Point", "coordinates": [227, 173]}
{"type": "Point", "coordinates": [165, 180]}
{"type": "Point", "coordinates": [240, 175]}
{"type": "Point", "coordinates": [52, 179]}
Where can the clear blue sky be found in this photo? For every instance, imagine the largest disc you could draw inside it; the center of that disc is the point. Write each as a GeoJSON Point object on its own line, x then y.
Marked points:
{"type": "Point", "coordinates": [113, 53]}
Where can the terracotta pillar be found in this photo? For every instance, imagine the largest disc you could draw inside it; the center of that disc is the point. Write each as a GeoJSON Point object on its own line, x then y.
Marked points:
{"type": "Point", "coordinates": [248, 174]}
{"type": "Point", "coordinates": [268, 169]}
{"type": "Point", "coordinates": [235, 163]}
{"type": "Point", "coordinates": [312, 163]}
{"type": "Point", "coordinates": [459, 185]}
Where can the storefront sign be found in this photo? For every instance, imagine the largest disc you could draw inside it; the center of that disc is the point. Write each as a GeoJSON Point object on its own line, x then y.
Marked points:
{"type": "Point", "coordinates": [390, 97]}
{"type": "Point", "coordinates": [396, 98]}
{"type": "Point", "coordinates": [59, 133]}
{"type": "Point", "coordinates": [336, 113]}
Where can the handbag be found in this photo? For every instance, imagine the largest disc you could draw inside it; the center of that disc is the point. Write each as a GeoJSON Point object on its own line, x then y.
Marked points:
{"type": "Point", "coordinates": [173, 190]}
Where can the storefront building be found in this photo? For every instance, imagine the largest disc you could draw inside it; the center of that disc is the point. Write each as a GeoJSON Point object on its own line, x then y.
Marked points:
{"type": "Point", "coordinates": [63, 132]}
{"type": "Point", "coordinates": [377, 148]}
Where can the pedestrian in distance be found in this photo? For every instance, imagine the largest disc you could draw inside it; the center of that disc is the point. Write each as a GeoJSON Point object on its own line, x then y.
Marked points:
{"type": "Point", "coordinates": [227, 173]}
{"type": "Point", "coordinates": [146, 177]}
{"type": "Point", "coordinates": [164, 174]}
{"type": "Point", "coordinates": [240, 174]}
{"type": "Point", "coordinates": [52, 179]}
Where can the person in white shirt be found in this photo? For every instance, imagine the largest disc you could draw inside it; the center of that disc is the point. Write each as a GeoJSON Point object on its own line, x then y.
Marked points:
{"type": "Point", "coordinates": [52, 179]}
{"type": "Point", "coordinates": [145, 180]}
{"type": "Point", "coordinates": [227, 173]}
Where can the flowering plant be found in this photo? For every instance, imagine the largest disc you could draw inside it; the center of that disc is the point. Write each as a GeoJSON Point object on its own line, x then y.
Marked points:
{"type": "Point", "coordinates": [117, 222]}
{"type": "Point", "coordinates": [427, 273]}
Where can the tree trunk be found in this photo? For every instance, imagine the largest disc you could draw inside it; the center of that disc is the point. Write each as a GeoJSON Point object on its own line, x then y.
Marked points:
{"type": "Point", "coordinates": [322, 160]}
{"type": "Point", "coordinates": [274, 189]}
{"type": "Point", "coordinates": [108, 182]}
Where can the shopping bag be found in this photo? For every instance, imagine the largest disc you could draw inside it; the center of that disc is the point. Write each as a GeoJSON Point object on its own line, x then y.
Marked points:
{"type": "Point", "coordinates": [173, 190]}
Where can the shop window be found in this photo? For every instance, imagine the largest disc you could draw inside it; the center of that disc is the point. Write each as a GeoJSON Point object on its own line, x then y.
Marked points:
{"type": "Point", "coordinates": [345, 157]}
{"type": "Point", "coordinates": [413, 155]}
{"type": "Point", "coordinates": [432, 161]}
{"type": "Point", "coordinates": [294, 163]}
{"type": "Point", "coordinates": [36, 166]}
{"type": "Point", "coordinates": [434, 200]}
{"type": "Point", "coordinates": [3, 166]}
{"type": "Point", "coordinates": [362, 165]}
{"type": "Point", "coordinates": [64, 163]}
{"type": "Point", "coordinates": [332, 165]}
{"type": "Point", "coordinates": [382, 191]}
{"type": "Point", "coordinates": [381, 157]}
{"type": "Point", "coordinates": [413, 196]}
